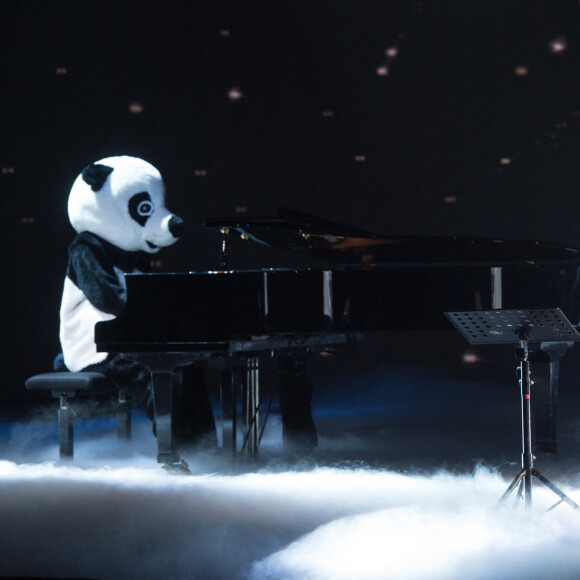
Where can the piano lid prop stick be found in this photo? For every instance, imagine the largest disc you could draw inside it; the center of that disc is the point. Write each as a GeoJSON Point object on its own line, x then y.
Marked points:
{"type": "Point", "coordinates": [224, 260]}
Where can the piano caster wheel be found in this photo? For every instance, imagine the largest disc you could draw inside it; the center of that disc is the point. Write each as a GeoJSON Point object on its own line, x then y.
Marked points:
{"type": "Point", "coordinates": [181, 467]}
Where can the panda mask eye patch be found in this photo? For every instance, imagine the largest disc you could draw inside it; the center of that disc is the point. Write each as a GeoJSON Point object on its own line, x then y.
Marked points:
{"type": "Point", "coordinates": [141, 207]}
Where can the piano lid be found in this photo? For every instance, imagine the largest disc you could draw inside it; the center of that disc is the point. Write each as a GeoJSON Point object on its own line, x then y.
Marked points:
{"type": "Point", "coordinates": [348, 246]}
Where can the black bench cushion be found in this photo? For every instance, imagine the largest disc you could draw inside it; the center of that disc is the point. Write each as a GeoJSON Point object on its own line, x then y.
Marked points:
{"type": "Point", "coordinates": [71, 382]}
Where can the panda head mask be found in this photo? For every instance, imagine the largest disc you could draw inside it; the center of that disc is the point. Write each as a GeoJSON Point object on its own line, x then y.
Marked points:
{"type": "Point", "coordinates": [122, 200]}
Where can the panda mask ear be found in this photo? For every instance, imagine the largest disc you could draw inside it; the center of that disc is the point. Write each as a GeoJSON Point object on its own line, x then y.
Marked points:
{"type": "Point", "coordinates": [96, 175]}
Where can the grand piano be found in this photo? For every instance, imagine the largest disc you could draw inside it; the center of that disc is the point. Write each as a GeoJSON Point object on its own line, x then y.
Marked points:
{"type": "Point", "coordinates": [361, 282]}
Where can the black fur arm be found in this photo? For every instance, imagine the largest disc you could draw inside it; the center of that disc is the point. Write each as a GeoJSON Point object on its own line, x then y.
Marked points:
{"type": "Point", "coordinates": [91, 268]}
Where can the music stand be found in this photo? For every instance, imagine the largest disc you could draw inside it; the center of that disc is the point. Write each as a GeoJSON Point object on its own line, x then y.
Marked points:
{"type": "Point", "coordinates": [519, 327]}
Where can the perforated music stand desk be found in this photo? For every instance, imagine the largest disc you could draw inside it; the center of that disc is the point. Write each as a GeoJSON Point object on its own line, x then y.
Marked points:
{"type": "Point", "coordinates": [519, 327]}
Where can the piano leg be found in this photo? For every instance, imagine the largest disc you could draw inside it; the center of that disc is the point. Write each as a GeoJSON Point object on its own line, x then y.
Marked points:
{"type": "Point", "coordinates": [166, 388]}
{"type": "Point", "coordinates": [295, 391]}
{"type": "Point", "coordinates": [546, 384]}
{"type": "Point", "coordinates": [166, 380]}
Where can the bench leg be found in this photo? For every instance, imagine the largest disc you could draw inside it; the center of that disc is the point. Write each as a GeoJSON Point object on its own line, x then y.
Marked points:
{"type": "Point", "coordinates": [123, 417]}
{"type": "Point", "coordinates": [65, 429]}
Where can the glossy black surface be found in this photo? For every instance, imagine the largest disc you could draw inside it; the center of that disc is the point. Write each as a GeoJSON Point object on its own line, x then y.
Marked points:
{"type": "Point", "coordinates": [345, 246]}
{"type": "Point", "coordinates": [373, 283]}
{"type": "Point", "coordinates": [203, 311]}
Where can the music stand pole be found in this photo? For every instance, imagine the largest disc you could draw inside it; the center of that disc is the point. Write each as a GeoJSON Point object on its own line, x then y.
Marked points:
{"type": "Point", "coordinates": [519, 327]}
{"type": "Point", "coordinates": [527, 457]}
{"type": "Point", "coordinates": [528, 470]}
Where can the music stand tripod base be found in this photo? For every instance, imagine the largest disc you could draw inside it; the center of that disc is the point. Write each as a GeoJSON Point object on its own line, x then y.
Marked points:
{"type": "Point", "coordinates": [519, 327]}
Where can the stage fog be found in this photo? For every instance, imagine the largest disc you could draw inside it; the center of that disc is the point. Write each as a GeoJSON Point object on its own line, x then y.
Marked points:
{"type": "Point", "coordinates": [404, 486]}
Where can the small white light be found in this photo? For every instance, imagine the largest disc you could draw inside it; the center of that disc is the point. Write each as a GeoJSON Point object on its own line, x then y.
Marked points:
{"type": "Point", "coordinates": [470, 358]}
{"type": "Point", "coordinates": [7, 170]}
{"type": "Point", "coordinates": [505, 161]}
{"type": "Point", "coordinates": [392, 52]}
{"type": "Point", "coordinates": [451, 199]}
{"type": "Point", "coordinates": [241, 209]}
{"type": "Point", "coordinates": [360, 158]}
{"type": "Point", "coordinates": [224, 32]}
{"type": "Point", "coordinates": [382, 71]}
{"type": "Point", "coordinates": [521, 70]}
{"type": "Point", "coordinates": [136, 108]}
{"type": "Point", "coordinates": [235, 94]}
{"type": "Point", "coordinates": [200, 172]}
{"type": "Point", "coordinates": [61, 70]}
{"type": "Point", "coordinates": [328, 113]}
{"type": "Point", "coordinates": [558, 45]}
{"type": "Point", "coordinates": [27, 220]}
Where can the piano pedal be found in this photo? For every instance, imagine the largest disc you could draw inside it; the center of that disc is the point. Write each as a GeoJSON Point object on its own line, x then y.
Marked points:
{"type": "Point", "coordinates": [180, 467]}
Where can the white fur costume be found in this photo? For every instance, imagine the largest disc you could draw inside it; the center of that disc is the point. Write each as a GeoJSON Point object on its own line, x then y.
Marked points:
{"type": "Point", "coordinates": [116, 206]}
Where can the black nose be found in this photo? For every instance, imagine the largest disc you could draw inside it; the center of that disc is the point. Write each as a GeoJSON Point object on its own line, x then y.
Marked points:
{"type": "Point", "coordinates": [175, 226]}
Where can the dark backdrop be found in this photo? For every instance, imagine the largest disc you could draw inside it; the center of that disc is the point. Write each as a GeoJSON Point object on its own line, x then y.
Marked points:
{"type": "Point", "coordinates": [399, 116]}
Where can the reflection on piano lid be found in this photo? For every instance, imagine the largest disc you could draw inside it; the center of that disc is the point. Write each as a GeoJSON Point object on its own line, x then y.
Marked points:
{"type": "Point", "coordinates": [347, 246]}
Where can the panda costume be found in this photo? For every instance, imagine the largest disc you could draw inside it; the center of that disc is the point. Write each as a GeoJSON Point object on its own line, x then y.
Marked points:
{"type": "Point", "coordinates": [117, 207]}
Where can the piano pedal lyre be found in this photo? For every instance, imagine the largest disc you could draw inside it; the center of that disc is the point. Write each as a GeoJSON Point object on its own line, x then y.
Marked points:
{"type": "Point", "coordinates": [251, 400]}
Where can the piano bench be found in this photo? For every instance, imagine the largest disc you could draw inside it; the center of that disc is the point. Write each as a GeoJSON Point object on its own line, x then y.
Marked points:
{"type": "Point", "coordinates": [67, 385]}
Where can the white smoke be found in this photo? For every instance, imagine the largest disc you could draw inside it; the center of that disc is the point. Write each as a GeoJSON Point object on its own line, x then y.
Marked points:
{"type": "Point", "coordinates": [435, 541]}
{"type": "Point", "coordinates": [372, 502]}
{"type": "Point", "coordinates": [128, 518]}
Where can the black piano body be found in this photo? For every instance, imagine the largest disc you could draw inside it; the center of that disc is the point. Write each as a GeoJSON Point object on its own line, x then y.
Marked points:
{"type": "Point", "coordinates": [206, 310]}
{"type": "Point", "coordinates": [368, 283]}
